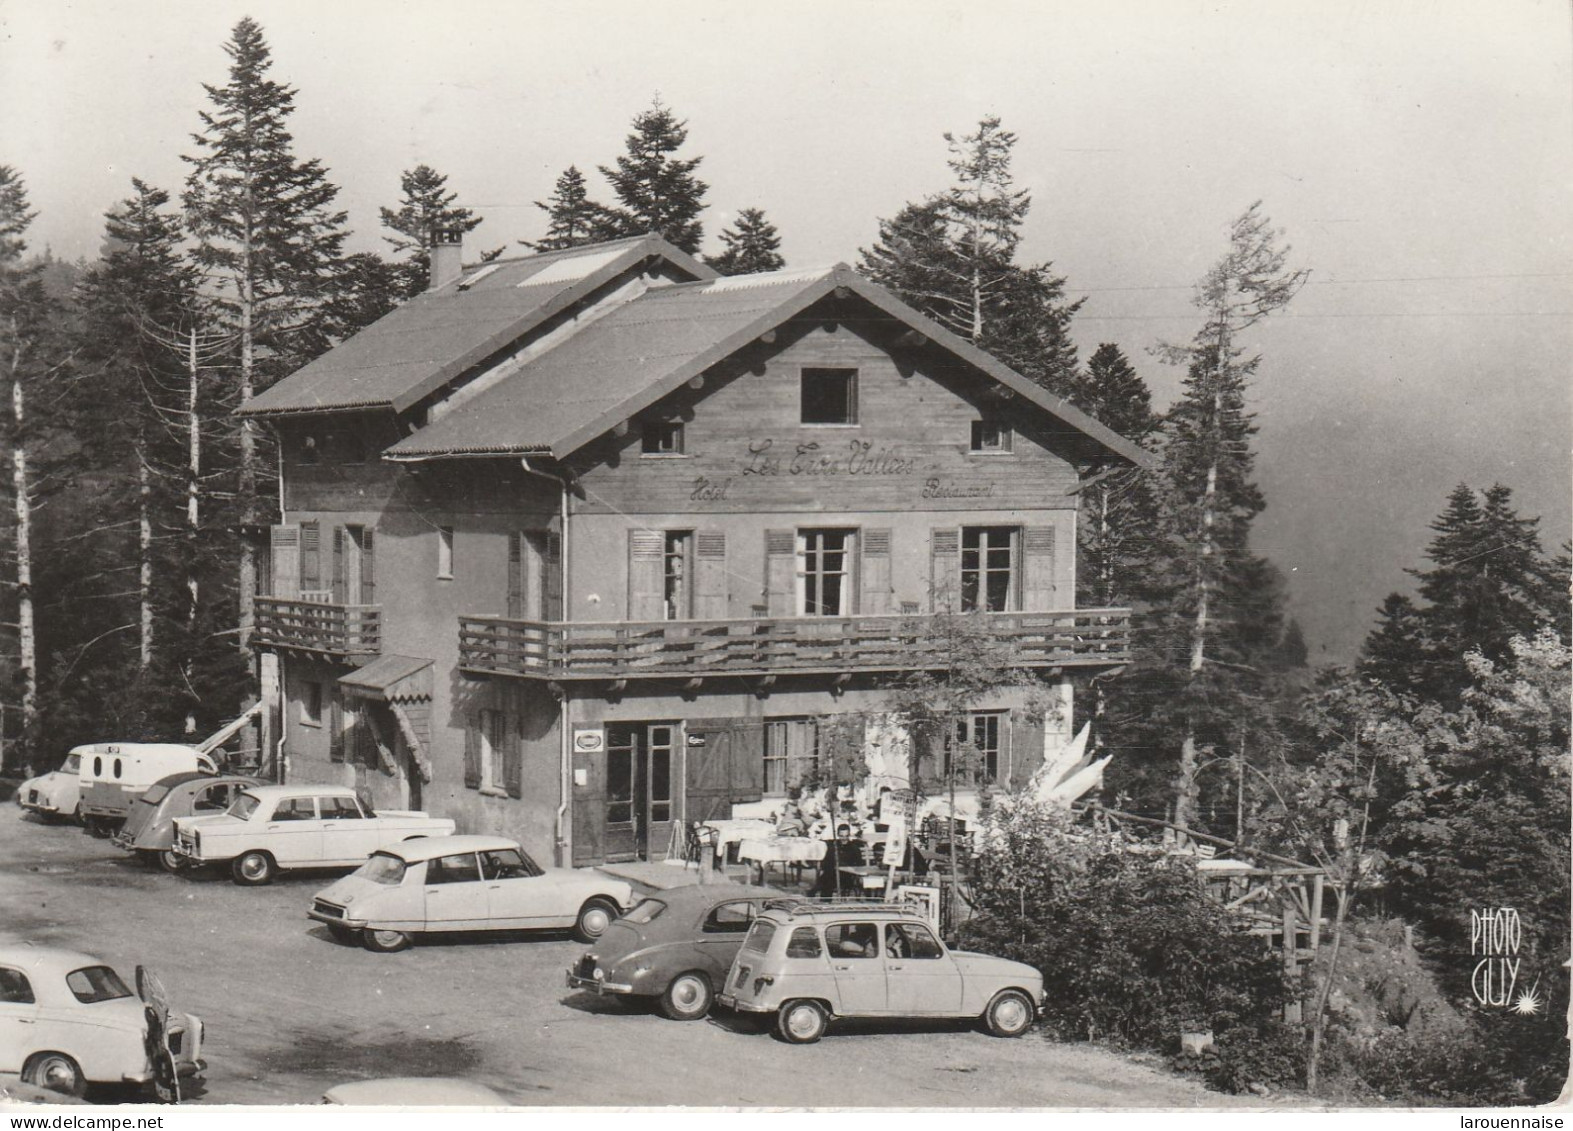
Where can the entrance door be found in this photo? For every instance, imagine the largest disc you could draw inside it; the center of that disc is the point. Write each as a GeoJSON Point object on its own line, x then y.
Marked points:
{"type": "Point", "coordinates": [639, 789]}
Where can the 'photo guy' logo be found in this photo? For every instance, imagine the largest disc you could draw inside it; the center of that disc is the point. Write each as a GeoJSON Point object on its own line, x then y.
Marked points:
{"type": "Point", "coordinates": [1494, 935]}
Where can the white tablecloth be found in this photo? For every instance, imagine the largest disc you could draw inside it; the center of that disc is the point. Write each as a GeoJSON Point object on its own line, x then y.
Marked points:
{"type": "Point", "coordinates": [735, 832]}
{"type": "Point", "coordinates": [781, 850]}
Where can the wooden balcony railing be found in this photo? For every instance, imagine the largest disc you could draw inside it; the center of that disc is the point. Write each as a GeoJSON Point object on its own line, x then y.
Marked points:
{"type": "Point", "coordinates": [781, 645]}
{"type": "Point", "coordinates": [318, 626]}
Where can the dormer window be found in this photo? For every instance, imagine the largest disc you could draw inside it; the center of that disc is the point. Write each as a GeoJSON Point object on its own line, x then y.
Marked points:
{"type": "Point", "coordinates": [662, 438]}
{"type": "Point", "coordinates": [830, 396]}
{"type": "Point", "coordinates": [991, 436]}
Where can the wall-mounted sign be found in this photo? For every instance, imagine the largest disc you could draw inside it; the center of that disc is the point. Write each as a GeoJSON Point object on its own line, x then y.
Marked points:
{"type": "Point", "coordinates": [696, 740]}
{"type": "Point", "coordinates": [862, 458]}
{"type": "Point", "coordinates": [589, 741]}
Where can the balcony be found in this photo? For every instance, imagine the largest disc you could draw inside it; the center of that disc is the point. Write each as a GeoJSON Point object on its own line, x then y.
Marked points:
{"type": "Point", "coordinates": [769, 647]}
{"type": "Point", "coordinates": [318, 626]}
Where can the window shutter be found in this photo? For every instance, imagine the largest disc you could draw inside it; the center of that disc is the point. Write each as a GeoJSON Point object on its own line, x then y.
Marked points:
{"type": "Point", "coordinates": [874, 572]}
{"type": "Point", "coordinates": [1025, 749]}
{"type": "Point", "coordinates": [472, 753]}
{"type": "Point", "coordinates": [513, 756]}
{"type": "Point", "coordinates": [645, 548]}
{"type": "Point", "coordinates": [552, 583]}
{"type": "Point", "coordinates": [340, 590]}
{"type": "Point", "coordinates": [712, 601]}
{"type": "Point", "coordinates": [285, 543]}
{"type": "Point", "coordinates": [781, 572]}
{"type": "Point", "coordinates": [311, 555]}
{"type": "Point", "coordinates": [368, 571]}
{"type": "Point", "coordinates": [1038, 589]}
{"type": "Point", "coordinates": [336, 726]}
{"type": "Point", "coordinates": [945, 568]}
{"type": "Point", "coordinates": [515, 575]}
{"type": "Point", "coordinates": [748, 760]}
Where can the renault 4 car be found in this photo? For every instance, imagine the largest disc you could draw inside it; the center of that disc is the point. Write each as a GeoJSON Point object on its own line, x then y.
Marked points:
{"type": "Point", "coordinates": [812, 963]}
{"type": "Point", "coordinates": [675, 946]}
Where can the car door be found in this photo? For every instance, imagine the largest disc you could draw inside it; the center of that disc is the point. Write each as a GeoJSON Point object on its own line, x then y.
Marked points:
{"type": "Point", "coordinates": [347, 836]}
{"type": "Point", "coordinates": [294, 832]}
{"type": "Point", "coordinates": [456, 899]}
{"type": "Point", "coordinates": [519, 895]}
{"type": "Point", "coordinates": [858, 963]}
{"type": "Point", "coordinates": [920, 977]}
{"type": "Point", "coordinates": [18, 1019]}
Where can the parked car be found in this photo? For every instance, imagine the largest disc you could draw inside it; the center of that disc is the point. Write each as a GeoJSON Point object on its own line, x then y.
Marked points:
{"type": "Point", "coordinates": [55, 796]}
{"type": "Point", "coordinates": [464, 883]}
{"type": "Point", "coordinates": [272, 828]}
{"type": "Point", "coordinates": [149, 830]}
{"type": "Point", "coordinates": [810, 963]}
{"type": "Point", "coordinates": [67, 1020]}
{"type": "Point", "coordinates": [414, 1091]}
{"type": "Point", "coordinates": [675, 946]}
{"type": "Point", "coordinates": [112, 775]}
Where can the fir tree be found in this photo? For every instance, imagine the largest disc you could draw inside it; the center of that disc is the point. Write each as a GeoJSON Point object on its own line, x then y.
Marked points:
{"type": "Point", "coordinates": [658, 191]}
{"type": "Point", "coordinates": [573, 218]}
{"type": "Point", "coordinates": [953, 257]}
{"type": "Point", "coordinates": [752, 246]}
{"type": "Point", "coordinates": [426, 207]}
{"type": "Point", "coordinates": [270, 243]}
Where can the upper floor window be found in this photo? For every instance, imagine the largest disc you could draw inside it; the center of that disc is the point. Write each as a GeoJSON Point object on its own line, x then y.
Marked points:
{"type": "Point", "coordinates": [830, 396]}
{"type": "Point", "coordinates": [825, 572]}
{"type": "Point", "coordinates": [991, 436]}
{"type": "Point", "coordinates": [988, 569]}
{"type": "Point", "coordinates": [662, 438]}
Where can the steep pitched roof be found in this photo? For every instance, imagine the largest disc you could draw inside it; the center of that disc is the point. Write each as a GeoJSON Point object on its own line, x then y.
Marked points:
{"type": "Point", "coordinates": [645, 349]}
{"type": "Point", "coordinates": [427, 342]}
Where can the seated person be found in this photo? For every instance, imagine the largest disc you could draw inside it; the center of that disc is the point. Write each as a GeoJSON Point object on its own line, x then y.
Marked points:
{"type": "Point", "coordinates": [790, 822]}
{"type": "Point", "coordinates": [843, 852]}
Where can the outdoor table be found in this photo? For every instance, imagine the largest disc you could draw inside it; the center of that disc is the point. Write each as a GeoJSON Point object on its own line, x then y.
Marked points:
{"type": "Point", "coordinates": [860, 878]}
{"type": "Point", "coordinates": [734, 832]}
{"type": "Point", "coordinates": [765, 851]}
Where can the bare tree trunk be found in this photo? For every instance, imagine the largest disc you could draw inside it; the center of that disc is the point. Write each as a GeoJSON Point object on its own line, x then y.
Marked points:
{"type": "Point", "coordinates": [193, 512]}
{"type": "Point", "coordinates": [144, 558]}
{"type": "Point", "coordinates": [27, 641]}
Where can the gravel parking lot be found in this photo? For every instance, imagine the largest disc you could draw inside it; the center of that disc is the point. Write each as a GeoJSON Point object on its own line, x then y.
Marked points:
{"type": "Point", "coordinates": [290, 1012]}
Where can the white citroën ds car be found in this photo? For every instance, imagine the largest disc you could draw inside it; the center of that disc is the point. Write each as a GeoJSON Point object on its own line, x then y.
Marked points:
{"type": "Point", "coordinates": [270, 828]}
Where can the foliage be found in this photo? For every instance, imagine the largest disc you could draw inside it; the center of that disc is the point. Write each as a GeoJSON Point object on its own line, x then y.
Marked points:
{"type": "Point", "coordinates": [1129, 948]}
{"type": "Point", "coordinates": [1247, 1058]}
{"type": "Point", "coordinates": [753, 245]}
{"type": "Point", "coordinates": [953, 257]}
{"type": "Point", "coordinates": [425, 208]}
{"type": "Point", "coordinates": [574, 219]}
{"type": "Point", "coordinates": [658, 192]}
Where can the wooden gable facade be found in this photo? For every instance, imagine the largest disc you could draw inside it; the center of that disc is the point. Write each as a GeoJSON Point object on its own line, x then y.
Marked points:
{"type": "Point", "coordinates": [651, 614]}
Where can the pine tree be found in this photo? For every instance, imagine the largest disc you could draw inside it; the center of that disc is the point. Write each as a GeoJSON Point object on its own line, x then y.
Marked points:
{"type": "Point", "coordinates": [752, 246]}
{"type": "Point", "coordinates": [953, 256]}
{"type": "Point", "coordinates": [574, 219]}
{"type": "Point", "coordinates": [427, 206]}
{"type": "Point", "coordinates": [1117, 525]}
{"type": "Point", "coordinates": [658, 192]}
{"type": "Point", "coordinates": [1212, 498]}
{"type": "Point", "coordinates": [270, 243]}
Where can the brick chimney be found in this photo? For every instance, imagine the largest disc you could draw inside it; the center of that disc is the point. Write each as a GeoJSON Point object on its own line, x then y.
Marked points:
{"type": "Point", "coordinates": [447, 251]}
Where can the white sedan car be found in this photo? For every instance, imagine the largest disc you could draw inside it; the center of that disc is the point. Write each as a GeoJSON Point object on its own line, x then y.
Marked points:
{"type": "Point", "coordinates": [272, 827]}
{"type": "Point", "coordinates": [67, 1020]}
{"type": "Point", "coordinates": [465, 883]}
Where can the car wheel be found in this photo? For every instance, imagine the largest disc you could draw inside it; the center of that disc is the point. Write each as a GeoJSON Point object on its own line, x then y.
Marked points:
{"type": "Point", "coordinates": [1009, 1014]}
{"type": "Point", "coordinates": [171, 861]}
{"type": "Point", "coordinates": [384, 942]}
{"type": "Point", "coordinates": [594, 917]}
{"type": "Point", "coordinates": [801, 1022]}
{"type": "Point", "coordinates": [253, 868]}
{"type": "Point", "coordinates": [57, 1072]}
{"type": "Point", "coordinates": [688, 997]}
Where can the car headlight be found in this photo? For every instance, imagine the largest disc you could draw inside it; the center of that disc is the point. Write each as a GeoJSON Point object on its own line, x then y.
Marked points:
{"type": "Point", "coordinates": [599, 975]}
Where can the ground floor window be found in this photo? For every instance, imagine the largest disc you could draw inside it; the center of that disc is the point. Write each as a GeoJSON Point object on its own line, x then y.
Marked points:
{"type": "Point", "coordinates": [791, 754]}
{"type": "Point", "coordinates": [983, 731]}
{"type": "Point", "coordinates": [311, 704]}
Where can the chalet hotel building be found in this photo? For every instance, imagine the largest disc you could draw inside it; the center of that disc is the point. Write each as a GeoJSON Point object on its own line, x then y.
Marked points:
{"type": "Point", "coordinates": [580, 544]}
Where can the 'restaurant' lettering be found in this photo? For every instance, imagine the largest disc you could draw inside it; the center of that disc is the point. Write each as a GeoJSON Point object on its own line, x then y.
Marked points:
{"type": "Point", "coordinates": [937, 488]}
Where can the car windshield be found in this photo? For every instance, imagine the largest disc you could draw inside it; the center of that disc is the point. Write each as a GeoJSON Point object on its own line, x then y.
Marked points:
{"type": "Point", "coordinates": [243, 806]}
{"type": "Point", "coordinates": [72, 764]}
{"type": "Point", "coordinates": [382, 868]}
{"type": "Point", "coordinates": [647, 911]}
{"type": "Point", "coordinates": [96, 983]}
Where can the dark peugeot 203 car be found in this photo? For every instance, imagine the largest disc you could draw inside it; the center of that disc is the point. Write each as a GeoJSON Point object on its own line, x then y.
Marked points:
{"type": "Point", "coordinates": [675, 946]}
{"type": "Point", "coordinates": [149, 830]}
